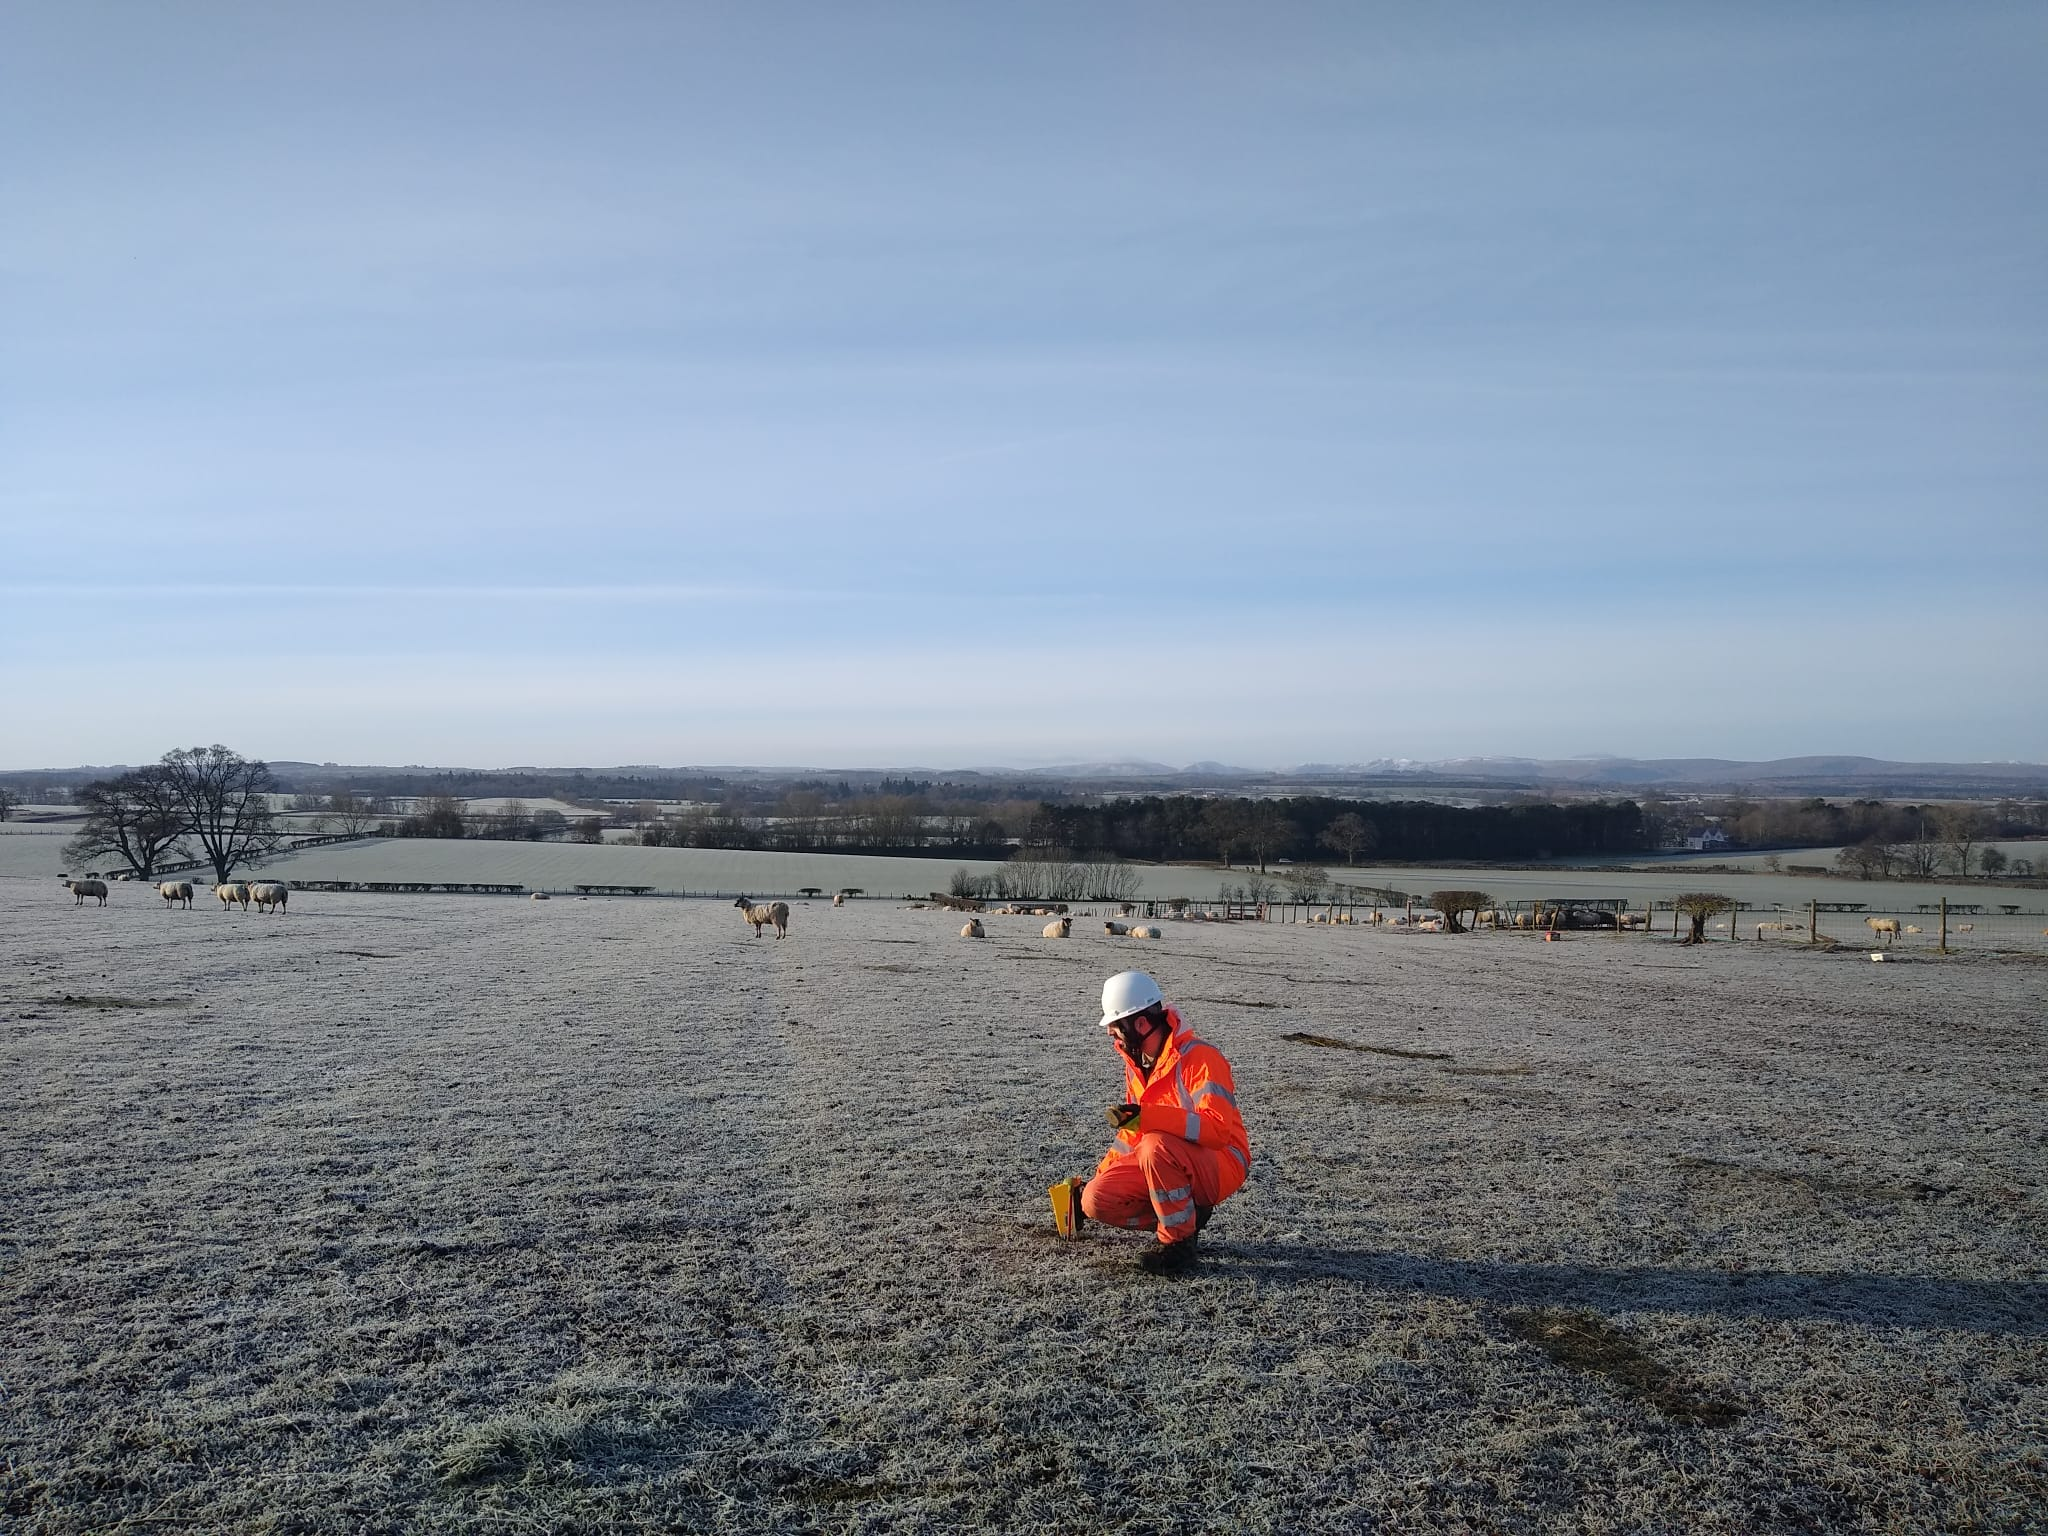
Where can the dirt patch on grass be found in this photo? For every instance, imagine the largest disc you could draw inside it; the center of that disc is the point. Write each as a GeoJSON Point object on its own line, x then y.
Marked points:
{"type": "Point", "coordinates": [1584, 1341]}
{"type": "Point", "coordinates": [366, 954]}
{"type": "Point", "coordinates": [1233, 1002]}
{"type": "Point", "coordinates": [1330, 1043]}
{"type": "Point", "coordinates": [108, 1004]}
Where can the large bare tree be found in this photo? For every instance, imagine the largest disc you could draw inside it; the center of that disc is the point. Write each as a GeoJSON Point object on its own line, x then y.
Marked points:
{"type": "Point", "coordinates": [1351, 834]}
{"type": "Point", "coordinates": [9, 799]}
{"type": "Point", "coordinates": [1268, 830]}
{"type": "Point", "coordinates": [136, 816]}
{"type": "Point", "coordinates": [224, 799]}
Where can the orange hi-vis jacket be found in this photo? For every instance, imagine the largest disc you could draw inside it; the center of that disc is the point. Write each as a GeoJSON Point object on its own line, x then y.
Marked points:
{"type": "Point", "coordinates": [1190, 1094]}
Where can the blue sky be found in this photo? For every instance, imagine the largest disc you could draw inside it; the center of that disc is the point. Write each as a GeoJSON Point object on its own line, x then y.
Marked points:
{"type": "Point", "coordinates": [953, 385]}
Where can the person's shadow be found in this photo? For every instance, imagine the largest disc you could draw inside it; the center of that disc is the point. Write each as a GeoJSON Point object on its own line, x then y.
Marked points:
{"type": "Point", "coordinates": [1867, 1300]}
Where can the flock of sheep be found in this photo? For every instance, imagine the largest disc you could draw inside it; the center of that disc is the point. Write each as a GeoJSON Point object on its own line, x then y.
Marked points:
{"type": "Point", "coordinates": [266, 895]}
{"type": "Point", "coordinates": [1063, 927]}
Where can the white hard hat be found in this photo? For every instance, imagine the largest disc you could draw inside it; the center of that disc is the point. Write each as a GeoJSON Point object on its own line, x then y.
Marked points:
{"type": "Point", "coordinates": [1126, 993]}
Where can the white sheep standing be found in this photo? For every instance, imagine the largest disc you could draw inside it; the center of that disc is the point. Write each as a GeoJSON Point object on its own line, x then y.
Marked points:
{"type": "Point", "coordinates": [232, 891]}
{"type": "Point", "coordinates": [972, 929]}
{"type": "Point", "coordinates": [1886, 928]}
{"type": "Point", "coordinates": [175, 891]}
{"type": "Point", "coordinates": [1059, 928]}
{"type": "Point", "coordinates": [84, 888]}
{"type": "Point", "coordinates": [761, 915]}
{"type": "Point", "coordinates": [269, 895]}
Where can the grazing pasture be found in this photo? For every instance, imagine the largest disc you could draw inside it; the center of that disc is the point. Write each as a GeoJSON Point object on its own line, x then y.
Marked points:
{"type": "Point", "coordinates": [415, 1214]}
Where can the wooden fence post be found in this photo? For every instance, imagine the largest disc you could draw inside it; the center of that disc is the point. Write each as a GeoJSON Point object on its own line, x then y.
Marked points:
{"type": "Point", "coordinates": [1944, 925]}
{"type": "Point", "coordinates": [1812, 923]}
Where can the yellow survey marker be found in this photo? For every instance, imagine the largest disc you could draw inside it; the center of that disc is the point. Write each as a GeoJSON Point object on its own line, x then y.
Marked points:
{"type": "Point", "coordinates": [1066, 1206]}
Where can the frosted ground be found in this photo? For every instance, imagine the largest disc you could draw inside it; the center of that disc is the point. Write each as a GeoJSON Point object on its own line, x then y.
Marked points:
{"type": "Point", "coordinates": [560, 866]}
{"type": "Point", "coordinates": [444, 1213]}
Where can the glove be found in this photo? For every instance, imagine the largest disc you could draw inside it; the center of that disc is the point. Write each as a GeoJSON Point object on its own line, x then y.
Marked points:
{"type": "Point", "coordinates": [1121, 1115]}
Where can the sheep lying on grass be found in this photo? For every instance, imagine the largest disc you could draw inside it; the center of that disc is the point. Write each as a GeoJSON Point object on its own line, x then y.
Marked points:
{"type": "Point", "coordinates": [776, 912]}
{"type": "Point", "coordinates": [972, 929]}
{"type": "Point", "coordinates": [1144, 931]}
{"type": "Point", "coordinates": [538, 896]}
{"type": "Point", "coordinates": [84, 888]}
{"type": "Point", "coordinates": [1058, 929]}
{"type": "Point", "coordinates": [269, 895]}
{"type": "Point", "coordinates": [175, 891]}
{"type": "Point", "coordinates": [839, 899]}
{"type": "Point", "coordinates": [1116, 930]}
{"type": "Point", "coordinates": [231, 892]}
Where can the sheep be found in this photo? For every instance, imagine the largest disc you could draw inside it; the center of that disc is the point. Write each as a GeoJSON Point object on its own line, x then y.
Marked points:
{"type": "Point", "coordinates": [232, 892]}
{"type": "Point", "coordinates": [972, 929]}
{"type": "Point", "coordinates": [776, 912]}
{"type": "Point", "coordinates": [1127, 909]}
{"type": "Point", "coordinates": [175, 891]}
{"type": "Point", "coordinates": [1914, 928]}
{"type": "Point", "coordinates": [1886, 928]}
{"type": "Point", "coordinates": [1058, 928]}
{"type": "Point", "coordinates": [1963, 927]}
{"type": "Point", "coordinates": [538, 896]}
{"type": "Point", "coordinates": [1144, 931]}
{"type": "Point", "coordinates": [84, 888]}
{"type": "Point", "coordinates": [269, 895]}
{"type": "Point", "coordinates": [1115, 929]}
{"type": "Point", "coordinates": [839, 899]}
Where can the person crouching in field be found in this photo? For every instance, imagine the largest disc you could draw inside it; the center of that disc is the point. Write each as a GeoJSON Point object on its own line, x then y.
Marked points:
{"type": "Point", "coordinates": [1180, 1148]}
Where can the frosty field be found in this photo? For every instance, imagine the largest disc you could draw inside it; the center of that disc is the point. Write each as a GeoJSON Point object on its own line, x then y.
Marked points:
{"type": "Point", "coordinates": [405, 1214]}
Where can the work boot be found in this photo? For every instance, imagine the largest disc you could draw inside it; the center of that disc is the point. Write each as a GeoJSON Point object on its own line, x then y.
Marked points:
{"type": "Point", "coordinates": [1170, 1258]}
{"type": "Point", "coordinates": [1202, 1215]}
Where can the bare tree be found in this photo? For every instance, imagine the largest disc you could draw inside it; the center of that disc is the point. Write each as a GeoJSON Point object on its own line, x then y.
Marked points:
{"type": "Point", "coordinates": [1961, 827]}
{"type": "Point", "coordinates": [436, 816]}
{"type": "Point", "coordinates": [134, 815]}
{"type": "Point", "coordinates": [352, 813]}
{"type": "Point", "coordinates": [1305, 882]}
{"type": "Point", "coordinates": [588, 829]}
{"type": "Point", "coordinates": [1454, 904]}
{"type": "Point", "coordinates": [1226, 823]}
{"type": "Point", "coordinates": [1267, 829]}
{"type": "Point", "coordinates": [1699, 906]}
{"type": "Point", "coordinates": [1351, 835]}
{"type": "Point", "coordinates": [9, 799]}
{"type": "Point", "coordinates": [1992, 860]}
{"type": "Point", "coordinates": [224, 800]}
{"type": "Point", "coordinates": [1922, 855]}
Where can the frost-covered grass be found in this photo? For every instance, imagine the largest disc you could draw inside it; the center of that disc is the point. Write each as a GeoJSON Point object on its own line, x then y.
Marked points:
{"type": "Point", "coordinates": [448, 1214]}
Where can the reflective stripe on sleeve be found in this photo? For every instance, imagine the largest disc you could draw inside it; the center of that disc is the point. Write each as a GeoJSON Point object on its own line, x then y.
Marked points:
{"type": "Point", "coordinates": [1179, 1219]}
{"type": "Point", "coordinates": [1168, 1196]}
{"type": "Point", "coordinates": [1219, 1090]}
{"type": "Point", "coordinates": [1243, 1166]}
{"type": "Point", "coordinates": [1194, 1131]}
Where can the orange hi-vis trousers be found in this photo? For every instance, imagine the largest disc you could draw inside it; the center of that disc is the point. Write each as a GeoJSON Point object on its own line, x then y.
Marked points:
{"type": "Point", "coordinates": [1160, 1185]}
